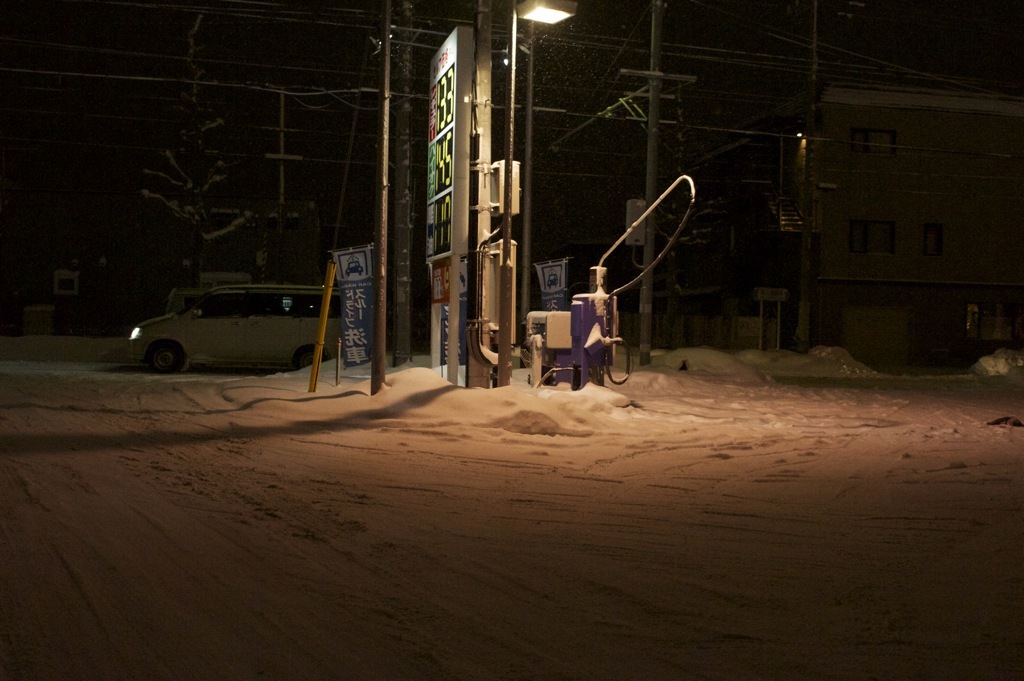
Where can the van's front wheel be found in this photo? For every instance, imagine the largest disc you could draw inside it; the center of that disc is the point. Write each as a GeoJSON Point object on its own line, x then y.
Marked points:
{"type": "Point", "coordinates": [166, 358]}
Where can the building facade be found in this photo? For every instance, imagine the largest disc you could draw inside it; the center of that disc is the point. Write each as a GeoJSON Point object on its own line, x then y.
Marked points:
{"type": "Point", "coordinates": [919, 206]}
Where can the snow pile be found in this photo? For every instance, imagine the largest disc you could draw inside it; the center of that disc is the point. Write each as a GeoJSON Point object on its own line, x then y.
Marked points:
{"type": "Point", "coordinates": [1001, 363]}
{"type": "Point", "coordinates": [421, 394]}
{"type": "Point", "coordinates": [591, 397]}
{"type": "Point", "coordinates": [704, 361]}
{"type": "Point", "coordinates": [821, 361]}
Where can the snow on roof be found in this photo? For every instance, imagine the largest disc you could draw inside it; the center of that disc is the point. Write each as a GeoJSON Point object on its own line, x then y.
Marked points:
{"type": "Point", "coordinates": [932, 100]}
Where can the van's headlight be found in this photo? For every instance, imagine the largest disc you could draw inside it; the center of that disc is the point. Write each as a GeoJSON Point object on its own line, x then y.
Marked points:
{"type": "Point", "coordinates": [136, 333]}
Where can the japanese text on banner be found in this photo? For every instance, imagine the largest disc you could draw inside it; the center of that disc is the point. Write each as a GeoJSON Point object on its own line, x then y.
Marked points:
{"type": "Point", "coordinates": [355, 284]}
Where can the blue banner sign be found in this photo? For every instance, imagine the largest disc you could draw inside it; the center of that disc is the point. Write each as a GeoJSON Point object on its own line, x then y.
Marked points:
{"type": "Point", "coordinates": [552, 275]}
{"type": "Point", "coordinates": [444, 290]}
{"type": "Point", "coordinates": [355, 284]}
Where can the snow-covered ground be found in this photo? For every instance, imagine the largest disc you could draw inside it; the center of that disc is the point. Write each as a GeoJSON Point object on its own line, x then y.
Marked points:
{"type": "Point", "coordinates": [754, 516]}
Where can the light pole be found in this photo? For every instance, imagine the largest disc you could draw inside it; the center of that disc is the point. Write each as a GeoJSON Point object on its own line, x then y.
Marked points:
{"type": "Point", "coordinates": [549, 12]}
{"type": "Point", "coordinates": [653, 128]}
{"type": "Point", "coordinates": [505, 313]}
{"type": "Point", "coordinates": [526, 248]}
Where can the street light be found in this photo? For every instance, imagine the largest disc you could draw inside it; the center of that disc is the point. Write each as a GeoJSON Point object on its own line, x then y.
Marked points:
{"type": "Point", "coordinates": [546, 11]}
{"type": "Point", "coordinates": [550, 12]}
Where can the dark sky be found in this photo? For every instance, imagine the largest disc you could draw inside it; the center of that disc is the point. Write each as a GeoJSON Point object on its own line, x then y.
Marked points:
{"type": "Point", "coordinates": [91, 86]}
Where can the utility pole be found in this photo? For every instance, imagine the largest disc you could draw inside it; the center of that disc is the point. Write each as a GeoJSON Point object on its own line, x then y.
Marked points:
{"type": "Point", "coordinates": [478, 373]}
{"type": "Point", "coordinates": [380, 241]}
{"type": "Point", "coordinates": [803, 326]}
{"type": "Point", "coordinates": [403, 203]}
{"type": "Point", "coordinates": [651, 193]}
{"type": "Point", "coordinates": [279, 237]}
{"type": "Point", "coordinates": [274, 244]}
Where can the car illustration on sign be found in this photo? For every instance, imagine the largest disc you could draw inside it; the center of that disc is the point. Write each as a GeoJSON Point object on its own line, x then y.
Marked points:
{"type": "Point", "coordinates": [353, 266]}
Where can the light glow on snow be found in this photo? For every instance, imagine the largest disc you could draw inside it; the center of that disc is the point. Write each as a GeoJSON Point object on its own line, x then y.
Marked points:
{"type": "Point", "coordinates": [719, 515]}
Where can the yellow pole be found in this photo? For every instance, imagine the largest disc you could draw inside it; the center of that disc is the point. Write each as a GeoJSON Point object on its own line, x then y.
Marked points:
{"type": "Point", "coordinates": [325, 307]}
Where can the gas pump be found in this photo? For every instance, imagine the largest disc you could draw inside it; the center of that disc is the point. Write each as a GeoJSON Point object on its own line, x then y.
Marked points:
{"type": "Point", "coordinates": [579, 346]}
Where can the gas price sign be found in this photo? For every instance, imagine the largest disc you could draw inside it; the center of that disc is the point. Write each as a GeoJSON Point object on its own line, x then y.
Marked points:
{"type": "Point", "coordinates": [447, 154]}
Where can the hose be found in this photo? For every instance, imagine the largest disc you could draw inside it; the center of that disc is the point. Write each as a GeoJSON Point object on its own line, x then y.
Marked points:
{"type": "Point", "coordinates": [629, 365]}
{"type": "Point", "coordinates": [671, 242]}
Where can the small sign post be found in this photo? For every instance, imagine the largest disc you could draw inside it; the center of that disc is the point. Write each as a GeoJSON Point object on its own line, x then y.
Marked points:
{"type": "Point", "coordinates": [762, 295]}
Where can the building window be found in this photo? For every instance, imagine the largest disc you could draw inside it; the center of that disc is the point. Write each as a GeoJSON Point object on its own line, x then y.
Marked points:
{"type": "Point", "coordinates": [871, 141]}
{"type": "Point", "coordinates": [65, 282]}
{"type": "Point", "coordinates": [872, 237]}
{"type": "Point", "coordinates": [223, 217]}
{"type": "Point", "coordinates": [995, 321]}
{"type": "Point", "coordinates": [932, 244]}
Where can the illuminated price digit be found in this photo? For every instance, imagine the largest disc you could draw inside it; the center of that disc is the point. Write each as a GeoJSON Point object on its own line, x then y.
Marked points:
{"type": "Point", "coordinates": [445, 99]}
{"type": "Point", "coordinates": [443, 224]}
{"type": "Point", "coordinates": [450, 95]}
{"type": "Point", "coordinates": [439, 168]}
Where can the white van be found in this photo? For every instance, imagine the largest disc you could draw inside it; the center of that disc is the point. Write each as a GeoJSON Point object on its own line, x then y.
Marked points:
{"type": "Point", "coordinates": [246, 324]}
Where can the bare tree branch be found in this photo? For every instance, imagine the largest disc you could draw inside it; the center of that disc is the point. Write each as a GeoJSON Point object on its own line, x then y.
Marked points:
{"type": "Point", "coordinates": [230, 227]}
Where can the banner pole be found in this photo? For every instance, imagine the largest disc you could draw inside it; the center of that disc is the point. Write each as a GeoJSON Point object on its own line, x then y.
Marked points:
{"type": "Point", "coordinates": [325, 308]}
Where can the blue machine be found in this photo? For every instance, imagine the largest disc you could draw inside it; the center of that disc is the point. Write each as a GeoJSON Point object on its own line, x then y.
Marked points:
{"type": "Point", "coordinates": [579, 346]}
{"type": "Point", "coordinates": [594, 336]}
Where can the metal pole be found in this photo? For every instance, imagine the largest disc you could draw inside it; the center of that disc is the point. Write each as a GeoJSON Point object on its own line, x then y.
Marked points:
{"type": "Point", "coordinates": [760, 325]}
{"type": "Point", "coordinates": [778, 324]}
{"type": "Point", "coordinates": [803, 322]}
{"type": "Point", "coordinates": [479, 372]}
{"type": "Point", "coordinates": [505, 312]}
{"type": "Point", "coordinates": [526, 249]}
{"type": "Point", "coordinates": [403, 203]}
{"type": "Point", "coordinates": [279, 237]}
{"type": "Point", "coordinates": [378, 355]}
{"type": "Point", "coordinates": [482, 115]}
{"type": "Point", "coordinates": [653, 115]}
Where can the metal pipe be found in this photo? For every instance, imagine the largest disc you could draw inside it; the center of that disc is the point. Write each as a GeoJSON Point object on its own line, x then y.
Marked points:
{"type": "Point", "coordinates": [506, 314]}
{"type": "Point", "coordinates": [644, 216]}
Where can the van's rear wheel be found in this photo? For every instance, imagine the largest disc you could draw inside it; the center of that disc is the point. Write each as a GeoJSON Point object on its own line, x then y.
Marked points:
{"type": "Point", "coordinates": [166, 358]}
{"type": "Point", "coordinates": [303, 357]}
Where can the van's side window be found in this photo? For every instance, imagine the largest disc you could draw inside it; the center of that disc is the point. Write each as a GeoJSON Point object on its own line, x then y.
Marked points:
{"type": "Point", "coordinates": [222, 305]}
{"type": "Point", "coordinates": [307, 305]}
{"type": "Point", "coordinates": [266, 305]}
